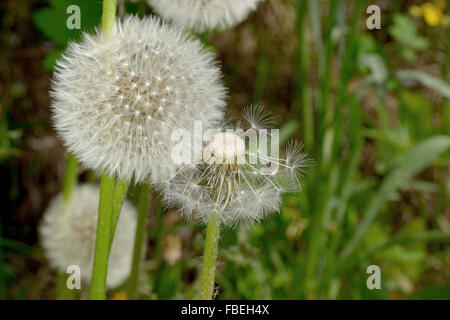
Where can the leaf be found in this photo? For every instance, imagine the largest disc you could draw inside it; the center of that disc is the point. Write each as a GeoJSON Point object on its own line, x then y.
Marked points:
{"type": "Point", "coordinates": [414, 161]}
{"type": "Point", "coordinates": [405, 32]}
{"type": "Point", "coordinates": [426, 80]}
{"type": "Point", "coordinates": [52, 21]}
{"type": "Point", "coordinates": [376, 65]}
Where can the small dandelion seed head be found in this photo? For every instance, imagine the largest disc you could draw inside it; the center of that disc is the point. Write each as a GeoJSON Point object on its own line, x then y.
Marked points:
{"type": "Point", "coordinates": [145, 57]}
{"type": "Point", "coordinates": [205, 15]}
{"type": "Point", "coordinates": [68, 230]}
{"type": "Point", "coordinates": [224, 147]}
{"type": "Point", "coordinates": [232, 186]}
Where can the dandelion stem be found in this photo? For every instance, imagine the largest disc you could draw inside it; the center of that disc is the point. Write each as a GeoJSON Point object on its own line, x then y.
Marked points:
{"type": "Point", "coordinates": [119, 196]}
{"type": "Point", "coordinates": [106, 218]}
{"type": "Point", "coordinates": [70, 176]}
{"type": "Point", "coordinates": [141, 227]}
{"type": "Point", "coordinates": [210, 258]}
{"type": "Point", "coordinates": [97, 290]}
{"type": "Point", "coordinates": [109, 16]}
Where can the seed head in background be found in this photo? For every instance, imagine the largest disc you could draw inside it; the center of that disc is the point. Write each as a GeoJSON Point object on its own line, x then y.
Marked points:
{"type": "Point", "coordinates": [204, 15]}
{"type": "Point", "coordinates": [117, 99]}
{"type": "Point", "coordinates": [237, 179]}
{"type": "Point", "coordinates": [67, 233]}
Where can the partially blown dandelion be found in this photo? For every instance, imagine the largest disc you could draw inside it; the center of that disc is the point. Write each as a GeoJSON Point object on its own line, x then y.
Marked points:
{"type": "Point", "coordinates": [237, 179]}
{"type": "Point", "coordinates": [116, 99]}
{"type": "Point", "coordinates": [67, 233]}
{"type": "Point", "coordinates": [204, 15]}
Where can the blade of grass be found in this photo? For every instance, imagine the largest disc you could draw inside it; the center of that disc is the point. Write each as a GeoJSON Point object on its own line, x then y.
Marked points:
{"type": "Point", "coordinates": [320, 193]}
{"type": "Point", "coordinates": [430, 236]}
{"type": "Point", "coordinates": [302, 94]}
{"type": "Point", "coordinates": [325, 110]}
{"type": "Point", "coordinates": [262, 69]}
{"type": "Point", "coordinates": [414, 161]}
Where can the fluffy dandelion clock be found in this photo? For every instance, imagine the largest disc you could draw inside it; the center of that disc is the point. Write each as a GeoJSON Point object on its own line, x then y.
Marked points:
{"type": "Point", "coordinates": [67, 233]}
{"type": "Point", "coordinates": [117, 99]}
{"type": "Point", "coordinates": [241, 175]}
{"type": "Point", "coordinates": [204, 15]}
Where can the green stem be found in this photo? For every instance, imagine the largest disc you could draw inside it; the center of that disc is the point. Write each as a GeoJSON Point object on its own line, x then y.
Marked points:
{"type": "Point", "coordinates": [70, 177]}
{"type": "Point", "coordinates": [63, 292]}
{"type": "Point", "coordinates": [97, 291]}
{"type": "Point", "coordinates": [120, 193]}
{"type": "Point", "coordinates": [109, 16]}
{"type": "Point", "coordinates": [210, 258]}
{"type": "Point", "coordinates": [106, 217]}
{"type": "Point", "coordinates": [139, 240]}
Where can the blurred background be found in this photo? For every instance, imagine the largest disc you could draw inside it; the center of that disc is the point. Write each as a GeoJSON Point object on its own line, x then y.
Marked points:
{"type": "Point", "coordinates": [370, 106]}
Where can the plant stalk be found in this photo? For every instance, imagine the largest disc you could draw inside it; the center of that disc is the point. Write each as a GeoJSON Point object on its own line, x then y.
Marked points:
{"type": "Point", "coordinates": [210, 258]}
{"type": "Point", "coordinates": [120, 193]}
{"type": "Point", "coordinates": [139, 240]}
{"type": "Point", "coordinates": [109, 16]}
{"type": "Point", "coordinates": [97, 291]}
{"type": "Point", "coordinates": [106, 218]}
{"type": "Point", "coordinates": [70, 177]}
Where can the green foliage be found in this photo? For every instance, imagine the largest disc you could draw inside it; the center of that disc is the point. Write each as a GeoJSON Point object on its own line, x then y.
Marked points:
{"type": "Point", "coordinates": [52, 23]}
{"type": "Point", "coordinates": [405, 32]}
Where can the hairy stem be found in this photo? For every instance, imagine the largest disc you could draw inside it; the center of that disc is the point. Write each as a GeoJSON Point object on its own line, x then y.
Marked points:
{"type": "Point", "coordinates": [210, 258]}
{"type": "Point", "coordinates": [139, 240]}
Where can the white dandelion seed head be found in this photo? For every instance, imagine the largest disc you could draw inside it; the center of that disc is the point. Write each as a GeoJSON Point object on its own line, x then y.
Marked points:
{"type": "Point", "coordinates": [236, 189]}
{"type": "Point", "coordinates": [117, 99]}
{"type": "Point", "coordinates": [68, 231]}
{"type": "Point", "coordinates": [205, 15]}
{"type": "Point", "coordinates": [224, 147]}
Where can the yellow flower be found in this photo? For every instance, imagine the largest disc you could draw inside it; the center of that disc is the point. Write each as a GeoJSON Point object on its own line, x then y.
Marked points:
{"type": "Point", "coordinates": [432, 14]}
